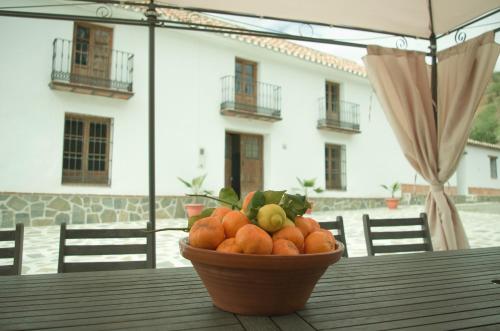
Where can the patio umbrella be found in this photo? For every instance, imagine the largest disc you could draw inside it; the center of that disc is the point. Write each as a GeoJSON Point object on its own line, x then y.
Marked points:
{"type": "Point", "coordinates": [417, 18]}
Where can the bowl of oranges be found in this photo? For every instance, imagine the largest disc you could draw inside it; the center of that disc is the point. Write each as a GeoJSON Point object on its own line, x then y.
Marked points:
{"type": "Point", "coordinates": [262, 257]}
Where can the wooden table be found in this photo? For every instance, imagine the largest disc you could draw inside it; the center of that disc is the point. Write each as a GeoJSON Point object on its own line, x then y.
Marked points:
{"type": "Point", "coordinates": [426, 291]}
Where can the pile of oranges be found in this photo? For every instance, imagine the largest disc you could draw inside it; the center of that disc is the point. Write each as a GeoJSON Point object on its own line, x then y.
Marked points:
{"type": "Point", "coordinates": [230, 231]}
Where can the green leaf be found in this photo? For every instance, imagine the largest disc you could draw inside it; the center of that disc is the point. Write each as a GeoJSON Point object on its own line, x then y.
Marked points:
{"type": "Point", "coordinates": [205, 213]}
{"type": "Point", "coordinates": [198, 181]}
{"type": "Point", "coordinates": [185, 182]}
{"type": "Point", "coordinates": [229, 195]}
{"type": "Point", "coordinates": [273, 197]}
{"type": "Point", "coordinates": [318, 190]}
{"type": "Point", "coordinates": [294, 205]}
{"type": "Point", "coordinates": [258, 200]}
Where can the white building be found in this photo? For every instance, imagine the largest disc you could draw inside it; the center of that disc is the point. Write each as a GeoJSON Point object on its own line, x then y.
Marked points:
{"type": "Point", "coordinates": [249, 112]}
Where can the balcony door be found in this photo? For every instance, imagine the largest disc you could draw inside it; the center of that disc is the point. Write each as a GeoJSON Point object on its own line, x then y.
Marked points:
{"type": "Point", "coordinates": [243, 163]}
{"type": "Point", "coordinates": [332, 99]}
{"type": "Point", "coordinates": [246, 85]}
{"type": "Point", "coordinates": [91, 60]}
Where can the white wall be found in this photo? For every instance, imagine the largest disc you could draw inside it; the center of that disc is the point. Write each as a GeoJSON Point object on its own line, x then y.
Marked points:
{"type": "Point", "coordinates": [478, 167]}
{"type": "Point", "coordinates": [32, 115]}
{"type": "Point", "coordinates": [188, 75]}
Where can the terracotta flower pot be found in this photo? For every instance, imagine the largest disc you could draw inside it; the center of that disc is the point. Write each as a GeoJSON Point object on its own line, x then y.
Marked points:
{"type": "Point", "coordinates": [193, 209]}
{"type": "Point", "coordinates": [392, 203]}
{"type": "Point", "coordinates": [259, 284]}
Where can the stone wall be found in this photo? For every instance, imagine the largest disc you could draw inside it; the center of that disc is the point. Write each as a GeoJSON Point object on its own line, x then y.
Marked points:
{"type": "Point", "coordinates": [47, 209]}
{"type": "Point", "coordinates": [34, 209]}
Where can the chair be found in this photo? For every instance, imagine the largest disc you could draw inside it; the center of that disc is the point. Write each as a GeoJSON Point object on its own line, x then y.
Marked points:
{"type": "Point", "coordinates": [338, 225]}
{"type": "Point", "coordinates": [15, 252]}
{"type": "Point", "coordinates": [80, 250]}
{"type": "Point", "coordinates": [371, 236]}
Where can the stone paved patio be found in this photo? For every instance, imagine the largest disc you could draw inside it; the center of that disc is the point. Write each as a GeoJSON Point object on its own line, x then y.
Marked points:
{"type": "Point", "coordinates": [41, 245]}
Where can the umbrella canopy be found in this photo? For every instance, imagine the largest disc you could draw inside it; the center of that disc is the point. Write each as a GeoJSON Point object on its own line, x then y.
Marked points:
{"type": "Point", "coordinates": [410, 18]}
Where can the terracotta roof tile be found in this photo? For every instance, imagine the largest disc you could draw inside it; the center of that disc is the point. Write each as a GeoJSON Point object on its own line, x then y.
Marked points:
{"type": "Point", "coordinates": [483, 144]}
{"type": "Point", "coordinates": [278, 45]}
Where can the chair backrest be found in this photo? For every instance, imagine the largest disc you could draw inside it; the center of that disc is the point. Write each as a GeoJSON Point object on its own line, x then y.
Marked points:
{"type": "Point", "coordinates": [337, 225]}
{"type": "Point", "coordinates": [81, 250]}
{"type": "Point", "coordinates": [15, 252]}
{"type": "Point", "coordinates": [375, 224]}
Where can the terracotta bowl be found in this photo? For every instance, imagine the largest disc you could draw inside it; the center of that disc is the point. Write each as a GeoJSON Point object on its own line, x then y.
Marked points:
{"type": "Point", "coordinates": [259, 284]}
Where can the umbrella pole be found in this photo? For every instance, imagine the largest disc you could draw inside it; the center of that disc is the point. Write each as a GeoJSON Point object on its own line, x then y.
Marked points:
{"type": "Point", "coordinates": [434, 87]}
{"type": "Point", "coordinates": [152, 18]}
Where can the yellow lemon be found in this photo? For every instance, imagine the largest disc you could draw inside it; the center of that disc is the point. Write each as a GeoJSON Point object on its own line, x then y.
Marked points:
{"type": "Point", "coordinates": [288, 222]}
{"type": "Point", "coordinates": [271, 217]}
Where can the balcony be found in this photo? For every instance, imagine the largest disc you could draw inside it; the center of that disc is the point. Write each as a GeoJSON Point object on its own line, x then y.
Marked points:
{"type": "Point", "coordinates": [341, 116]}
{"type": "Point", "coordinates": [254, 100]}
{"type": "Point", "coordinates": [91, 70]}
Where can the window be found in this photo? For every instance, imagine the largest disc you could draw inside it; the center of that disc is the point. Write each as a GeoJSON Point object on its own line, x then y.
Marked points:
{"type": "Point", "coordinates": [252, 148]}
{"type": "Point", "coordinates": [335, 167]}
{"type": "Point", "coordinates": [332, 98]}
{"type": "Point", "coordinates": [493, 167]}
{"type": "Point", "coordinates": [92, 48]}
{"type": "Point", "coordinates": [246, 83]}
{"type": "Point", "coordinates": [86, 156]}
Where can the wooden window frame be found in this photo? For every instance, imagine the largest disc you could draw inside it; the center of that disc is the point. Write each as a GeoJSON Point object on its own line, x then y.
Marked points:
{"type": "Point", "coordinates": [242, 96]}
{"type": "Point", "coordinates": [329, 183]}
{"type": "Point", "coordinates": [329, 85]}
{"type": "Point", "coordinates": [85, 176]}
{"type": "Point", "coordinates": [77, 68]}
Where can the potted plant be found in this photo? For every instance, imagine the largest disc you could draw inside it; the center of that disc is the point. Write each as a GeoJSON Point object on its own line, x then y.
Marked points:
{"type": "Point", "coordinates": [392, 202]}
{"type": "Point", "coordinates": [307, 184]}
{"type": "Point", "coordinates": [195, 185]}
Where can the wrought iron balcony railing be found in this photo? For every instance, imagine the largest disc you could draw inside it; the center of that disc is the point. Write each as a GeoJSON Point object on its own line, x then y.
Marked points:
{"type": "Point", "coordinates": [97, 67]}
{"type": "Point", "coordinates": [250, 99]}
{"type": "Point", "coordinates": [339, 116]}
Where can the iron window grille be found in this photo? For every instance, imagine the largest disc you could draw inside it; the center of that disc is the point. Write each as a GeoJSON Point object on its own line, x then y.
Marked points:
{"type": "Point", "coordinates": [264, 100]}
{"type": "Point", "coordinates": [74, 66]}
{"type": "Point", "coordinates": [338, 114]}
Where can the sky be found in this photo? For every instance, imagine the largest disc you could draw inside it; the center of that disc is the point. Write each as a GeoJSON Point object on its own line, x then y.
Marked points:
{"type": "Point", "coordinates": [353, 53]}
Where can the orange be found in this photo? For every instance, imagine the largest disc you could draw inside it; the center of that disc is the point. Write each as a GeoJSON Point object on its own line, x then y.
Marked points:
{"type": "Point", "coordinates": [306, 225]}
{"type": "Point", "coordinates": [206, 233]}
{"type": "Point", "coordinates": [247, 200]}
{"type": "Point", "coordinates": [233, 221]}
{"type": "Point", "coordinates": [292, 234]}
{"type": "Point", "coordinates": [318, 242]}
{"type": "Point", "coordinates": [229, 246]}
{"type": "Point", "coordinates": [254, 240]}
{"type": "Point", "coordinates": [220, 211]}
{"type": "Point", "coordinates": [284, 247]}
{"type": "Point", "coordinates": [329, 233]}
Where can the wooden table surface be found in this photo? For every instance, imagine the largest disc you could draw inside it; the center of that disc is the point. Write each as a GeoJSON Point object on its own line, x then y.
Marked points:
{"type": "Point", "coordinates": [426, 291]}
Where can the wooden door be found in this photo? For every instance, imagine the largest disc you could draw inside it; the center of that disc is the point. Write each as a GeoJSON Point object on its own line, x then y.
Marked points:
{"type": "Point", "coordinates": [92, 54]}
{"type": "Point", "coordinates": [332, 99]}
{"type": "Point", "coordinates": [246, 85]}
{"type": "Point", "coordinates": [251, 163]}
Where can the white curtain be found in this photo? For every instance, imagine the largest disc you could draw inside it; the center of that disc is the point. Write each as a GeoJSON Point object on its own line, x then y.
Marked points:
{"type": "Point", "coordinates": [401, 80]}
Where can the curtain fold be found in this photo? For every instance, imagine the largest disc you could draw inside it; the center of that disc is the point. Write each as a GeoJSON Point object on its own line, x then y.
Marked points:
{"type": "Point", "coordinates": [401, 80]}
